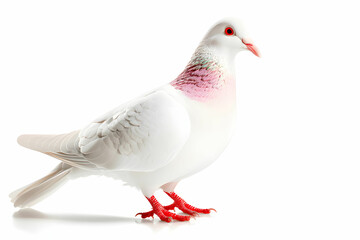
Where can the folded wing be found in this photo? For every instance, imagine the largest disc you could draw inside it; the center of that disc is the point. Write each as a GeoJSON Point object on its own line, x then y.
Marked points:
{"type": "Point", "coordinates": [142, 135]}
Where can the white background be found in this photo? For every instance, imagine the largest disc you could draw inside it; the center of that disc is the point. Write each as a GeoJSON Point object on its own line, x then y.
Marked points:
{"type": "Point", "coordinates": [292, 170]}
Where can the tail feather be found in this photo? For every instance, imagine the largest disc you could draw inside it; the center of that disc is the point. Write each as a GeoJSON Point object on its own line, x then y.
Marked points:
{"type": "Point", "coordinates": [51, 143]}
{"type": "Point", "coordinates": [66, 144]}
{"type": "Point", "coordinates": [40, 189]}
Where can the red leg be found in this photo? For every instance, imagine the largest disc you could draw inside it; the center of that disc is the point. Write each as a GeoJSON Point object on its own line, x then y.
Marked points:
{"type": "Point", "coordinates": [185, 207]}
{"type": "Point", "coordinates": [162, 212]}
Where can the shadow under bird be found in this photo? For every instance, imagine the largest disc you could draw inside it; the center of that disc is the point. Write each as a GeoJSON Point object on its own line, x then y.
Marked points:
{"type": "Point", "coordinates": [154, 141]}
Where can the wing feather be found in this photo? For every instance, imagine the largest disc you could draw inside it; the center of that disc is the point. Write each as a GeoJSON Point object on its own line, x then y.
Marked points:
{"type": "Point", "coordinates": [142, 135]}
{"type": "Point", "coordinates": [139, 136]}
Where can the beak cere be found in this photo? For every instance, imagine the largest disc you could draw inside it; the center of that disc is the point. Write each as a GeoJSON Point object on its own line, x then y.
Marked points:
{"type": "Point", "coordinates": [251, 47]}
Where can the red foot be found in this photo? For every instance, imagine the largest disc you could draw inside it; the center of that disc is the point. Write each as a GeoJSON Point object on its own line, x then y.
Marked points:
{"type": "Point", "coordinates": [185, 207]}
{"type": "Point", "coordinates": [162, 212]}
{"type": "Point", "coordinates": [152, 212]}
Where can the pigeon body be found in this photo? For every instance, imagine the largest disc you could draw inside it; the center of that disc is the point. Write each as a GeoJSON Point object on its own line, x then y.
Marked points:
{"type": "Point", "coordinates": [156, 140]}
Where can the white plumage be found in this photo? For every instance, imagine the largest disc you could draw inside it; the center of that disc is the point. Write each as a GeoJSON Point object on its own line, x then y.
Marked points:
{"type": "Point", "coordinates": [158, 139]}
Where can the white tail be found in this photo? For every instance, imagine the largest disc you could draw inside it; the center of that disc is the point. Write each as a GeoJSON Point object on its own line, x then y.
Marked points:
{"type": "Point", "coordinates": [40, 189]}
{"type": "Point", "coordinates": [67, 143]}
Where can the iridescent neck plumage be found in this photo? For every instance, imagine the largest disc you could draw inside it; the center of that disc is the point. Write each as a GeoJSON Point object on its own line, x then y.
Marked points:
{"type": "Point", "coordinates": [204, 77]}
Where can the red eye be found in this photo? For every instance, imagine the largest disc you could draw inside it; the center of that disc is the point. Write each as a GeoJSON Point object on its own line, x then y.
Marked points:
{"type": "Point", "coordinates": [229, 31]}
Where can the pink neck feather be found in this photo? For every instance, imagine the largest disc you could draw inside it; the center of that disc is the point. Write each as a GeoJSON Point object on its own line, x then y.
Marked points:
{"type": "Point", "coordinates": [203, 78]}
{"type": "Point", "coordinates": [199, 83]}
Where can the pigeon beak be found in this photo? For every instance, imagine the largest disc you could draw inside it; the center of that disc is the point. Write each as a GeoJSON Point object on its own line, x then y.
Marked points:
{"type": "Point", "coordinates": [251, 47]}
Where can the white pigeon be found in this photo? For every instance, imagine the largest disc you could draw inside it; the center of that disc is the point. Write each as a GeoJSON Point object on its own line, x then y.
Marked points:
{"type": "Point", "coordinates": [156, 140]}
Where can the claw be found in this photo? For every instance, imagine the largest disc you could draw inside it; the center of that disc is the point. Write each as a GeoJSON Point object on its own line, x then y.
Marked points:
{"type": "Point", "coordinates": [213, 209]}
{"type": "Point", "coordinates": [146, 214]}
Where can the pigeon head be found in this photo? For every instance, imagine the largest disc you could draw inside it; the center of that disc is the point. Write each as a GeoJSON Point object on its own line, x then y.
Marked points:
{"type": "Point", "coordinates": [229, 36]}
{"type": "Point", "coordinates": [210, 74]}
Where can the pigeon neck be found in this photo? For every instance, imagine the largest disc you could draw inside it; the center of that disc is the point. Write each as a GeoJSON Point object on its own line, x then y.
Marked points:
{"type": "Point", "coordinates": [206, 77]}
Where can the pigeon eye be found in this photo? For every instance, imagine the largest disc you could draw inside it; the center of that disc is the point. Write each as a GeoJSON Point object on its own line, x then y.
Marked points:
{"type": "Point", "coordinates": [229, 31]}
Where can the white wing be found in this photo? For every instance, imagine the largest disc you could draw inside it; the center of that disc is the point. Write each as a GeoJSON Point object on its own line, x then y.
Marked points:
{"type": "Point", "coordinates": [142, 135]}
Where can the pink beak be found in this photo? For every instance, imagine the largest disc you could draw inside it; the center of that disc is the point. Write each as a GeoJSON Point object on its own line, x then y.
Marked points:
{"type": "Point", "coordinates": [251, 47]}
